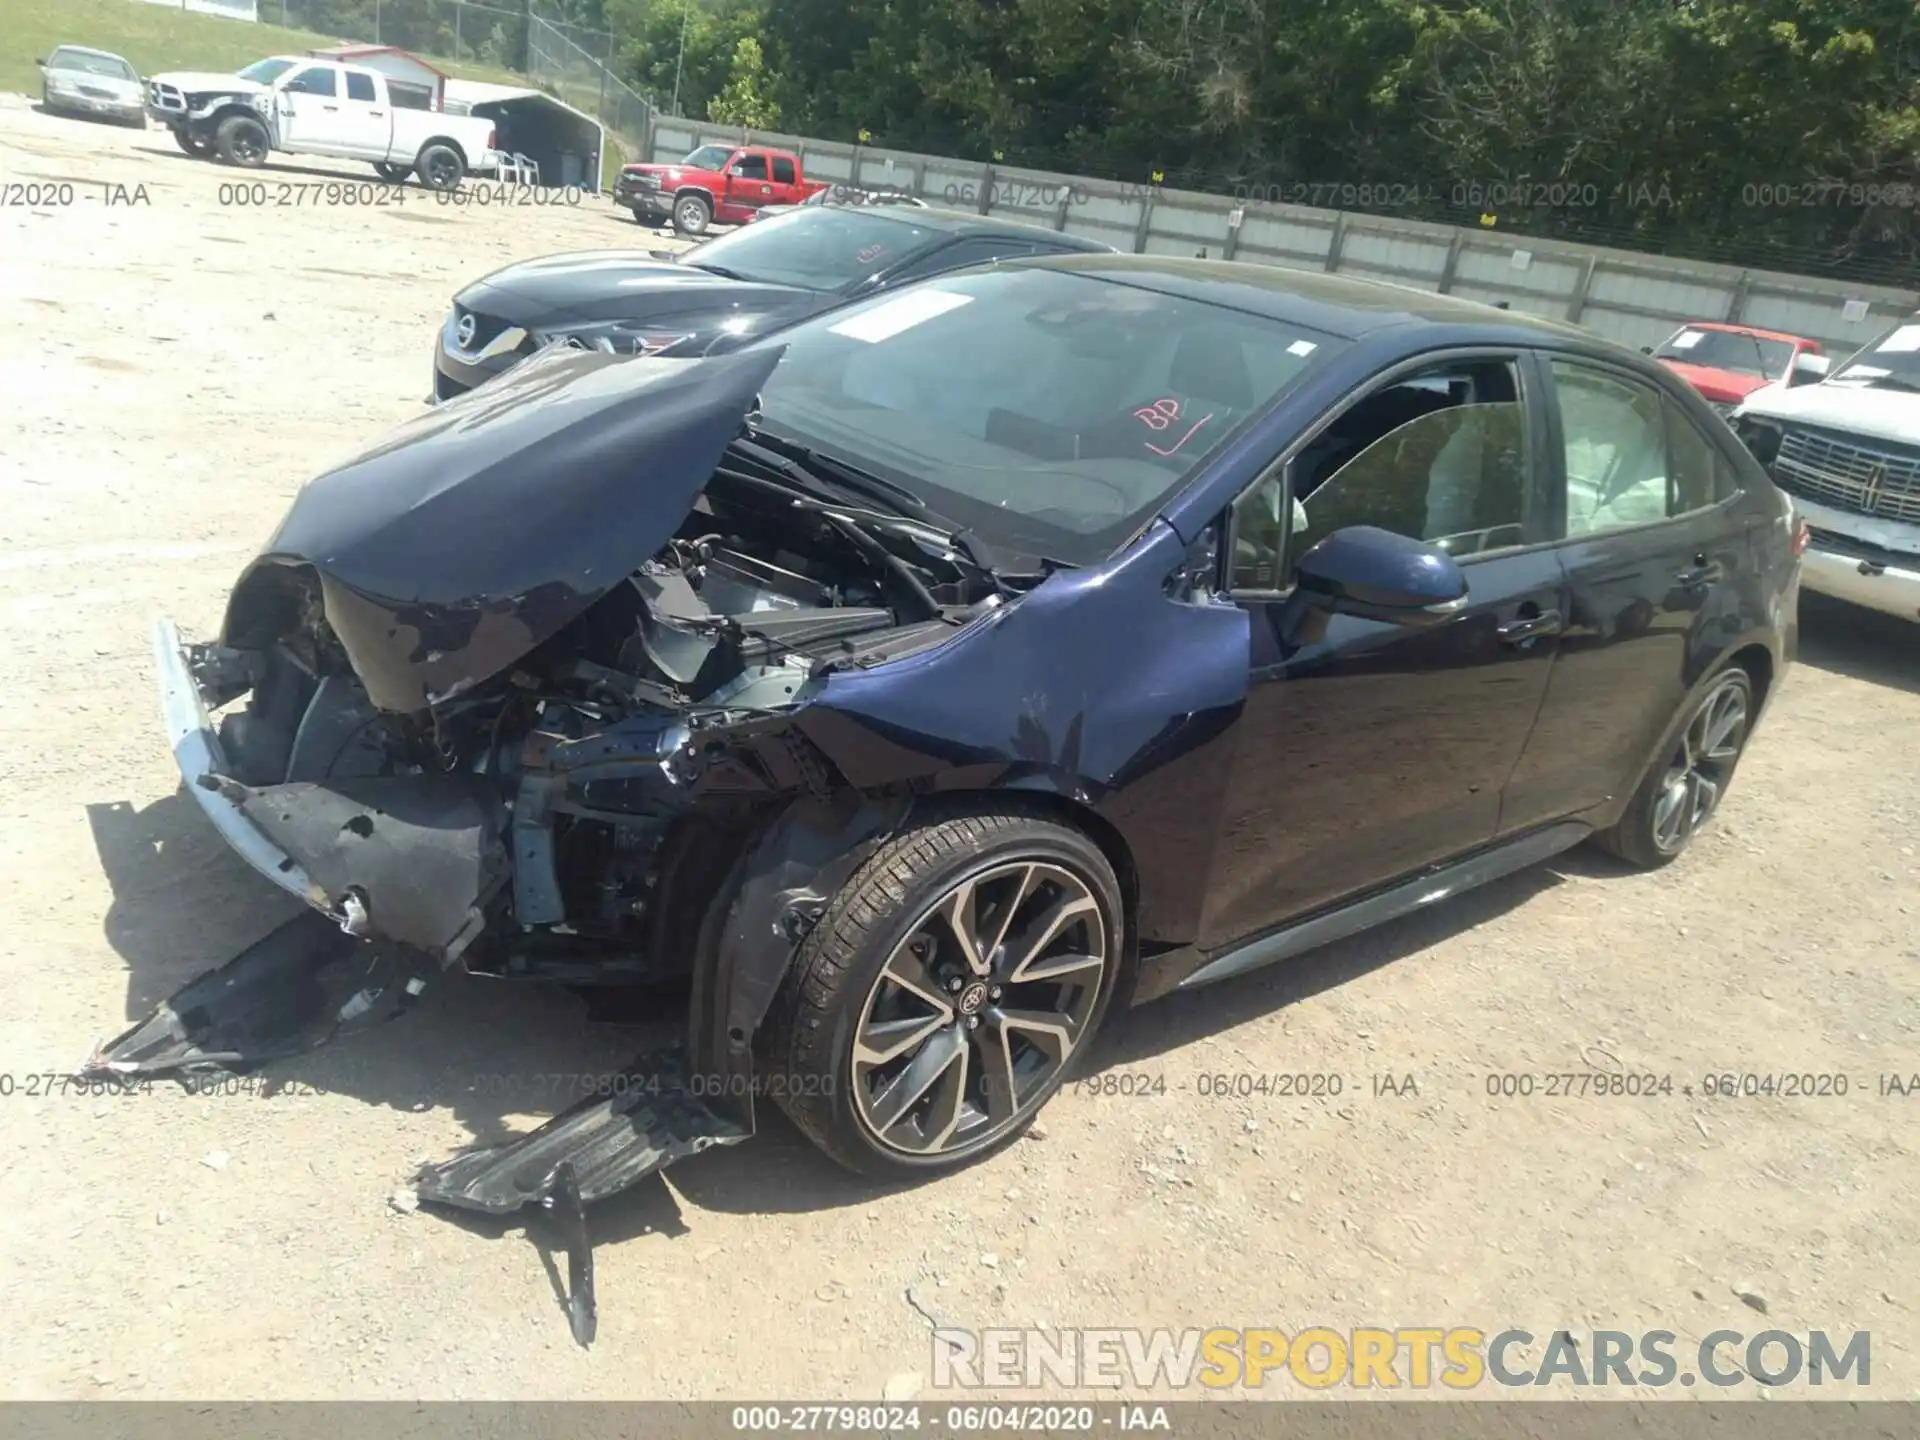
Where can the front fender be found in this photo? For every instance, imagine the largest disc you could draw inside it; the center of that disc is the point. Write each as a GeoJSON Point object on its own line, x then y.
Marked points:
{"type": "Point", "coordinates": [1103, 686]}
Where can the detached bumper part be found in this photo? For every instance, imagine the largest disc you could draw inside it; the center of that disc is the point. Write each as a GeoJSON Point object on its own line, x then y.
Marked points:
{"type": "Point", "coordinates": [196, 749]}
{"type": "Point", "coordinates": [408, 858]}
{"type": "Point", "coordinates": [290, 992]}
{"type": "Point", "coordinates": [588, 1152]}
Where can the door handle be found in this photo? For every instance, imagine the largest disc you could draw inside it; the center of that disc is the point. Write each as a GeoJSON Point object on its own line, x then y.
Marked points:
{"type": "Point", "coordinates": [329, 107]}
{"type": "Point", "coordinates": [1528, 628]}
{"type": "Point", "coordinates": [376, 114]}
{"type": "Point", "coordinates": [1701, 573]}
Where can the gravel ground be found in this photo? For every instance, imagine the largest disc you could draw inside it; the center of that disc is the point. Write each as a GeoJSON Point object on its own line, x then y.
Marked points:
{"type": "Point", "coordinates": [174, 369]}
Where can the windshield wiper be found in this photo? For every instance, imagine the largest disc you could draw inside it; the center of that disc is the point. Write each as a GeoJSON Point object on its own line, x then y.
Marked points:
{"type": "Point", "coordinates": [722, 271]}
{"type": "Point", "coordinates": [845, 474]}
{"type": "Point", "coordinates": [824, 475]}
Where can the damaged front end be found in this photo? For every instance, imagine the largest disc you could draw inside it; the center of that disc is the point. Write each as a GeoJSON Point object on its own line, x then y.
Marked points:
{"type": "Point", "coordinates": [518, 693]}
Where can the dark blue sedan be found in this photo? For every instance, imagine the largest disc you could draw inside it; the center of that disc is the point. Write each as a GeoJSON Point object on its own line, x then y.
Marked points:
{"type": "Point", "coordinates": [929, 677]}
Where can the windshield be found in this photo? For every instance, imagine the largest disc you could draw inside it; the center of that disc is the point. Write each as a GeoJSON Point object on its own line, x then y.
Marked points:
{"type": "Point", "coordinates": [265, 72]}
{"type": "Point", "coordinates": [1049, 412]}
{"type": "Point", "coordinates": [85, 61]}
{"type": "Point", "coordinates": [1891, 360]}
{"type": "Point", "coordinates": [828, 247]}
{"type": "Point", "coordinates": [707, 157]}
{"type": "Point", "coordinates": [1729, 350]}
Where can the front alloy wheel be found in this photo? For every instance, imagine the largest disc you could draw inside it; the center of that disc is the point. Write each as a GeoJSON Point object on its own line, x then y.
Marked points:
{"type": "Point", "coordinates": [941, 999]}
{"type": "Point", "coordinates": [978, 1010]}
{"type": "Point", "coordinates": [1685, 786]}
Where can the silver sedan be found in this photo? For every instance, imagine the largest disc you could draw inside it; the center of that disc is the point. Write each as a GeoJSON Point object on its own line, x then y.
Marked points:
{"type": "Point", "coordinates": [78, 81]}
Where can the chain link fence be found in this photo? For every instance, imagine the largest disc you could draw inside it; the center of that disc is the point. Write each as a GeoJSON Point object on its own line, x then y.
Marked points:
{"type": "Point", "coordinates": [576, 65]}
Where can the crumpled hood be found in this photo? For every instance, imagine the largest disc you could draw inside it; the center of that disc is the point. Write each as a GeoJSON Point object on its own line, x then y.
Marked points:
{"type": "Point", "coordinates": [467, 536]}
{"type": "Point", "coordinates": [189, 81]}
{"type": "Point", "coordinates": [613, 285]}
{"type": "Point", "coordinates": [1859, 409]}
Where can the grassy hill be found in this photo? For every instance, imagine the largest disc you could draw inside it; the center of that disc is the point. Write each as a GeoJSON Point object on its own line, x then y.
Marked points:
{"type": "Point", "coordinates": [156, 38]}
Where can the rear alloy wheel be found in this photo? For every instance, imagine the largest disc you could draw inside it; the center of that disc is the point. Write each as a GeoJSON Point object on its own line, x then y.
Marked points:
{"type": "Point", "coordinates": [1685, 787]}
{"type": "Point", "coordinates": [692, 213]}
{"type": "Point", "coordinates": [242, 140]}
{"type": "Point", "coordinates": [440, 167]}
{"type": "Point", "coordinates": [947, 991]}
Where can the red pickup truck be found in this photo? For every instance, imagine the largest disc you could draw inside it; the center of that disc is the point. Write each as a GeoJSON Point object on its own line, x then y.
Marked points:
{"type": "Point", "coordinates": [715, 183]}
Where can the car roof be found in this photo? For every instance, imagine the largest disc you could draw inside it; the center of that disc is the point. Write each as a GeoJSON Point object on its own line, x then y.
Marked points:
{"type": "Point", "coordinates": [1339, 305]}
{"type": "Point", "coordinates": [88, 50]}
{"type": "Point", "coordinates": [1730, 329]}
{"type": "Point", "coordinates": [963, 222]}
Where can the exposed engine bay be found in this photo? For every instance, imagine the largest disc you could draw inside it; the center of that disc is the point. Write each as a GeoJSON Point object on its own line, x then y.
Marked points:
{"type": "Point", "coordinates": [735, 620]}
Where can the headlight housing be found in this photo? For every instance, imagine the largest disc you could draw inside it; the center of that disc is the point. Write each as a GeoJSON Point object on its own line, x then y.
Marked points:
{"type": "Point", "coordinates": [613, 337]}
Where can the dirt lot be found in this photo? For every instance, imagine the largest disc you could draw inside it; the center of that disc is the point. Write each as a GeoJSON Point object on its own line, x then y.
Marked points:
{"type": "Point", "coordinates": [174, 370]}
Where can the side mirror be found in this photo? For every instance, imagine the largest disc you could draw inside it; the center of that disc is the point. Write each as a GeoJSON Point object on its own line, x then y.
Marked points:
{"type": "Point", "coordinates": [1377, 575]}
{"type": "Point", "coordinates": [1808, 369]}
{"type": "Point", "coordinates": [1646, 349]}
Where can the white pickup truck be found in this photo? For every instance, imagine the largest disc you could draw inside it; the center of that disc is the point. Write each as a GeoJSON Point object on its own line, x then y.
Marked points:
{"type": "Point", "coordinates": [306, 106]}
{"type": "Point", "coordinates": [1848, 450]}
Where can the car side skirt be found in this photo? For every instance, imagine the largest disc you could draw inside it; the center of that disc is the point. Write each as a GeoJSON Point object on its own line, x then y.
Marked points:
{"type": "Point", "coordinates": [1401, 898]}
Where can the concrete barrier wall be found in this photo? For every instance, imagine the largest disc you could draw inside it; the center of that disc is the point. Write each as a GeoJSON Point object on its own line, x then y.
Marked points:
{"type": "Point", "coordinates": [1634, 298]}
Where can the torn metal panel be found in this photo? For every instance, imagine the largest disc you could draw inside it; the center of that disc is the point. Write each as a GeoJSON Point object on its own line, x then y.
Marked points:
{"type": "Point", "coordinates": [407, 858]}
{"type": "Point", "coordinates": [290, 992]}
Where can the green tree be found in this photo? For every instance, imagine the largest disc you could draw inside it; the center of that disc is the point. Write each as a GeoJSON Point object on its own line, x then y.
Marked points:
{"type": "Point", "coordinates": [743, 100]}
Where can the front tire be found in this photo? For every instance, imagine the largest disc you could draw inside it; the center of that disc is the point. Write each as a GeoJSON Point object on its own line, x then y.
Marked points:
{"type": "Point", "coordinates": [692, 212]}
{"type": "Point", "coordinates": [242, 140]}
{"type": "Point", "coordinates": [948, 991]}
{"type": "Point", "coordinates": [1685, 785]}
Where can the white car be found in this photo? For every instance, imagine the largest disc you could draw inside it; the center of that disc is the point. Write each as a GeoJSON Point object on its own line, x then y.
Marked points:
{"type": "Point", "coordinates": [320, 107]}
{"type": "Point", "coordinates": [75, 80]}
{"type": "Point", "coordinates": [1848, 450]}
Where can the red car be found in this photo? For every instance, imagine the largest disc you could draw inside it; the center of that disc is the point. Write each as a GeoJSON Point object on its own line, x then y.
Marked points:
{"type": "Point", "coordinates": [720, 183]}
{"type": "Point", "coordinates": [1727, 363]}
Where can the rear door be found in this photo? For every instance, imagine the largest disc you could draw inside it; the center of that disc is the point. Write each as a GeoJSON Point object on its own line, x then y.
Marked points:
{"type": "Point", "coordinates": [366, 115]}
{"type": "Point", "coordinates": [787, 189]}
{"type": "Point", "coordinates": [1654, 553]}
